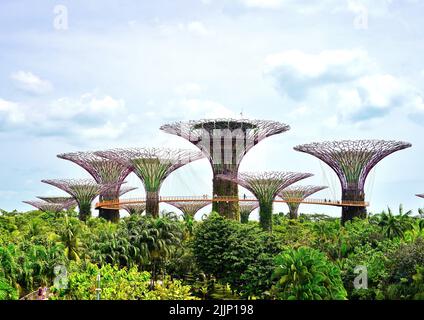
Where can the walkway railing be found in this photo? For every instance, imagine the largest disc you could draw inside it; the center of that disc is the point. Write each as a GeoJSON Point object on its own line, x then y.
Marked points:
{"type": "Point", "coordinates": [116, 204]}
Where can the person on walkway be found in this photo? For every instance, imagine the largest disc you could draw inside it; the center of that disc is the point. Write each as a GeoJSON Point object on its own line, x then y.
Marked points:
{"type": "Point", "coordinates": [40, 294]}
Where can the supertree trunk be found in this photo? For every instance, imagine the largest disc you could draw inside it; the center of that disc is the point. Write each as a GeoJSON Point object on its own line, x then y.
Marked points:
{"type": "Point", "coordinates": [293, 210]}
{"type": "Point", "coordinates": [226, 188]}
{"type": "Point", "coordinates": [244, 216]}
{"type": "Point", "coordinates": [349, 213]}
{"type": "Point", "coordinates": [265, 215]}
{"type": "Point", "coordinates": [152, 204]}
{"type": "Point", "coordinates": [111, 215]}
{"type": "Point", "coordinates": [84, 211]}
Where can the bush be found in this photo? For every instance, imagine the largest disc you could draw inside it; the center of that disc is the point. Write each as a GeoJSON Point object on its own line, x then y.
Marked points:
{"type": "Point", "coordinates": [306, 274]}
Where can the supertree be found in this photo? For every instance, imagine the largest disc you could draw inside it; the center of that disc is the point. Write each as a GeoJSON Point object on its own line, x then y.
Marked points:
{"type": "Point", "coordinates": [225, 142]}
{"type": "Point", "coordinates": [134, 208]}
{"type": "Point", "coordinates": [420, 195]}
{"type": "Point", "coordinates": [58, 199]}
{"type": "Point", "coordinates": [54, 207]}
{"type": "Point", "coordinates": [104, 171]}
{"type": "Point", "coordinates": [352, 161]}
{"type": "Point", "coordinates": [83, 191]}
{"type": "Point", "coordinates": [265, 186]}
{"type": "Point", "coordinates": [246, 208]}
{"type": "Point", "coordinates": [152, 166]}
{"type": "Point", "coordinates": [189, 208]}
{"type": "Point", "coordinates": [294, 195]}
{"type": "Point", "coordinates": [126, 189]}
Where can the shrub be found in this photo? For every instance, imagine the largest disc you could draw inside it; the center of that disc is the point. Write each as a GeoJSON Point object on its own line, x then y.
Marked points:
{"type": "Point", "coordinates": [306, 274]}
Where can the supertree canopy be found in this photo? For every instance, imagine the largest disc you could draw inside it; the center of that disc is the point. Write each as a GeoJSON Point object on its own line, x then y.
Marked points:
{"type": "Point", "coordinates": [134, 208]}
{"type": "Point", "coordinates": [125, 189]}
{"type": "Point", "coordinates": [83, 191]}
{"type": "Point", "coordinates": [58, 199]}
{"type": "Point", "coordinates": [246, 208]}
{"type": "Point", "coordinates": [104, 171]}
{"type": "Point", "coordinates": [54, 207]}
{"type": "Point", "coordinates": [225, 142]}
{"type": "Point", "coordinates": [265, 186]}
{"type": "Point", "coordinates": [189, 208]}
{"type": "Point", "coordinates": [420, 195]}
{"type": "Point", "coordinates": [152, 166]}
{"type": "Point", "coordinates": [352, 161]}
{"type": "Point", "coordinates": [295, 194]}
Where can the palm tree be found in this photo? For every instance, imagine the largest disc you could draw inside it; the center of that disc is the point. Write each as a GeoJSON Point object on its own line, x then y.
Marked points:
{"type": "Point", "coordinates": [69, 236]}
{"type": "Point", "coordinates": [394, 225]}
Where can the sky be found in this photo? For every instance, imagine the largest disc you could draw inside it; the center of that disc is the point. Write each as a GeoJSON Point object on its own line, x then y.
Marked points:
{"type": "Point", "coordinates": [89, 75]}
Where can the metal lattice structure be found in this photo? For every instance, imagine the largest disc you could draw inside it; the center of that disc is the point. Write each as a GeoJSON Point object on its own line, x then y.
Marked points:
{"type": "Point", "coordinates": [352, 161]}
{"type": "Point", "coordinates": [420, 195]}
{"type": "Point", "coordinates": [83, 191]}
{"type": "Point", "coordinates": [57, 199]}
{"type": "Point", "coordinates": [103, 171]}
{"type": "Point", "coordinates": [246, 208]}
{"type": "Point", "coordinates": [152, 166]}
{"type": "Point", "coordinates": [134, 208]}
{"type": "Point", "coordinates": [224, 142]}
{"type": "Point", "coordinates": [266, 186]}
{"type": "Point", "coordinates": [125, 189]}
{"type": "Point", "coordinates": [295, 194]}
{"type": "Point", "coordinates": [189, 209]}
{"type": "Point", "coordinates": [54, 207]}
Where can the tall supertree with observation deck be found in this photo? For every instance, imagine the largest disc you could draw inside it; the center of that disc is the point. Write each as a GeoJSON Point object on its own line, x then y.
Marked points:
{"type": "Point", "coordinates": [54, 207]}
{"type": "Point", "coordinates": [352, 161]}
{"type": "Point", "coordinates": [83, 191]}
{"type": "Point", "coordinates": [225, 142]}
{"type": "Point", "coordinates": [103, 171]}
{"type": "Point", "coordinates": [294, 195]}
{"type": "Point", "coordinates": [152, 166]}
{"type": "Point", "coordinates": [246, 208]}
{"type": "Point", "coordinates": [189, 208]}
{"type": "Point", "coordinates": [265, 186]}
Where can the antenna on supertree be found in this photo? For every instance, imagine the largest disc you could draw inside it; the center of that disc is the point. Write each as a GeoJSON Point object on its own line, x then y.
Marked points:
{"type": "Point", "coordinates": [266, 186]}
{"type": "Point", "coordinates": [152, 166]}
{"type": "Point", "coordinates": [54, 207]}
{"type": "Point", "coordinates": [352, 161]}
{"type": "Point", "coordinates": [225, 142]}
{"type": "Point", "coordinates": [294, 195]}
{"type": "Point", "coordinates": [134, 208]}
{"type": "Point", "coordinates": [246, 208]}
{"type": "Point", "coordinates": [83, 191]}
{"type": "Point", "coordinates": [189, 208]}
{"type": "Point", "coordinates": [103, 171]}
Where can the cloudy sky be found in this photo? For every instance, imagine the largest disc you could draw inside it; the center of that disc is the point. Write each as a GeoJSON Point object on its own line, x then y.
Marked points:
{"type": "Point", "coordinates": [83, 75]}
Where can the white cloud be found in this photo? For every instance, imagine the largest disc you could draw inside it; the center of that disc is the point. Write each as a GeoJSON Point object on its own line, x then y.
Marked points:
{"type": "Point", "coordinates": [196, 28]}
{"type": "Point", "coordinates": [29, 82]}
{"type": "Point", "coordinates": [188, 89]}
{"type": "Point", "coordinates": [263, 3]}
{"type": "Point", "coordinates": [295, 72]}
{"type": "Point", "coordinates": [372, 7]}
{"type": "Point", "coordinates": [10, 113]}
{"type": "Point", "coordinates": [88, 116]}
{"type": "Point", "coordinates": [347, 85]}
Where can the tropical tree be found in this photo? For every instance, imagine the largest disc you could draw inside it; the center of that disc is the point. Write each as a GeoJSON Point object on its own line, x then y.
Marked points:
{"type": "Point", "coordinates": [395, 225]}
{"type": "Point", "coordinates": [306, 274]}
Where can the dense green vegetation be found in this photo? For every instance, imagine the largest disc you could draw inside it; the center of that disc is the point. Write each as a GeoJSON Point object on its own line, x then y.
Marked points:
{"type": "Point", "coordinates": [313, 257]}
